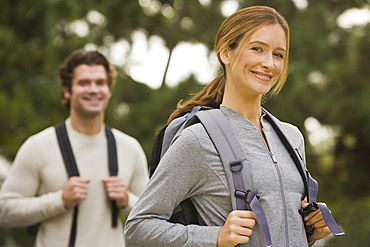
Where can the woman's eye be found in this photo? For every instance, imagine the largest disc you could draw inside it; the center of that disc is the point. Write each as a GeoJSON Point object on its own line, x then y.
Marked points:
{"type": "Point", "coordinates": [279, 55]}
{"type": "Point", "coordinates": [257, 48]}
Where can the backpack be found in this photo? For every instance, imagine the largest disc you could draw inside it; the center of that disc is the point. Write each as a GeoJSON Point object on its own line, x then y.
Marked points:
{"type": "Point", "coordinates": [232, 156]}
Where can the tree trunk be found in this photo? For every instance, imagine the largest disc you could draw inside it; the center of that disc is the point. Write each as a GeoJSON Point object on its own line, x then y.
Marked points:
{"type": "Point", "coordinates": [166, 70]}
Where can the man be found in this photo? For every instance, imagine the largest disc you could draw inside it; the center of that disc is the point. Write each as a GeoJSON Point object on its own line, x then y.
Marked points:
{"type": "Point", "coordinates": [38, 190]}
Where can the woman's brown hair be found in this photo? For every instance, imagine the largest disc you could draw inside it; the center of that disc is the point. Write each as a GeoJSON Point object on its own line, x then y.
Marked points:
{"type": "Point", "coordinates": [231, 33]}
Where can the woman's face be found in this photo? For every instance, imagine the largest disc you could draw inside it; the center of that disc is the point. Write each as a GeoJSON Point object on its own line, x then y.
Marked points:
{"type": "Point", "coordinates": [254, 67]}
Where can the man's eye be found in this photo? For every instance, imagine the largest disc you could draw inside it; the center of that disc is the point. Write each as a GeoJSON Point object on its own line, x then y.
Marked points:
{"type": "Point", "coordinates": [101, 82]}
{"type": "Point", "coordinates": [82, 82]}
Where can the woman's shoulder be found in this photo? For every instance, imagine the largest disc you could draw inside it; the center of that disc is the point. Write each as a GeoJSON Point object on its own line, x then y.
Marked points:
{"type": "Point", "coordinates": [288, 128]}
{"type": "Point", "coordinates": [195, 132]}
{"type": "Point", "coordinates": [193, 141]}
{"type": "Point", "coordinates": [291, 129]}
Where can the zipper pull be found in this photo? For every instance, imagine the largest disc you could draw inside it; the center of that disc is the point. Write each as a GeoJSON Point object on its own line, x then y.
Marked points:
{"type": "Point", "coordinates": [273, 157]}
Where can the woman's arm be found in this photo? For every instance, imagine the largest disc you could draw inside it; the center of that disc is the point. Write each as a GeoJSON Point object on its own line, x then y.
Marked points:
{"type": "Point", "coordinates": [179, 175]}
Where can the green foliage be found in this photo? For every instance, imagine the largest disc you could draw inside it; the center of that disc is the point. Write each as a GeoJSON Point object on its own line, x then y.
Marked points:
{"type": "Point", "coordinates": [328, 80]}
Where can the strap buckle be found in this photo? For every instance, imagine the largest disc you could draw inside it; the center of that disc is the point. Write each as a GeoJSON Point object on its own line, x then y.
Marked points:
{"type": "Point", "coordinates": [236, 166]}
{"type": "Point", "coordinates": [242, 194]}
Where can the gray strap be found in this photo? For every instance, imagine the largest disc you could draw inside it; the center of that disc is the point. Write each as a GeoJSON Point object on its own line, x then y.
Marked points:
{"type": "Point", "coordinates": [231, 153]}
{"type": "Point", "coordinates": [236, 166]}
{"type": "Point", "coordinates": [175, 127]}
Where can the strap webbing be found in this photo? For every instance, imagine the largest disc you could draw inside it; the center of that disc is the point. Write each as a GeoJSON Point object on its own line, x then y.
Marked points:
{"type": "Point", "coordinates": [113, 169]}
{"type": "Point", "coordinates": [233, 157]}
{"type": "Point", "coordinates": [72, 236]}
{"type": "Point", "coordinates": [329, 220]}
{"type": "Point", "coordinates": [66, 149]}
{"type": "Point", "coordinates": [293, 153]}
{"type": "Point", "coordinates": [311, 185]}
{"type": "Point", "coordinates": [72, 170]}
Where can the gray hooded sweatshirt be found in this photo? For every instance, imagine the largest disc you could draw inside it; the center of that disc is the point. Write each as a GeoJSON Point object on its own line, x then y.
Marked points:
{"type": "Point", "coordinates": [192, 168]}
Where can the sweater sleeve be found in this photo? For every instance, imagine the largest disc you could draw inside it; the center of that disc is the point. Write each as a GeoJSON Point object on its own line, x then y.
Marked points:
{"type": "Point", "coordinates": [139, 180]}
{"type": "Point", "coordinates": [19, 203]}
{"type": "Point", "coordinates": [176, 178]}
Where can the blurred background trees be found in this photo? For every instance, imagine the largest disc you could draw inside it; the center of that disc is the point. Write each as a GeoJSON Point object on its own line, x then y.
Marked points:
{"type": "Point", "coordinates": [327, 94]}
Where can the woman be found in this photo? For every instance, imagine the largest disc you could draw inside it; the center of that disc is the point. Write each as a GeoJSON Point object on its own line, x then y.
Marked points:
{"type": "Point", "coordinates": [252, 46]}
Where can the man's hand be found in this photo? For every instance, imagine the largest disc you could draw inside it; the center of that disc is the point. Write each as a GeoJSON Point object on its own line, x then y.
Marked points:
{"type": "Point", "coordinates": [75, 191]}
{"type": "Point", "coordinates": [316, 220]}
{"type": "Point", "coordinates": [117, 190]}
{"type": "Point", "coordinates": [237, 229]}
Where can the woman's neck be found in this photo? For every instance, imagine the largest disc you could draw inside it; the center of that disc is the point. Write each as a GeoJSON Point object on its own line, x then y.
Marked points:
{"type": "Point", "coordinates": [250, 108]}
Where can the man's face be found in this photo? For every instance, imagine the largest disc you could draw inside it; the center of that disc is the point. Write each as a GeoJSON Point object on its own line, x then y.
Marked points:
{"type": "Point", "coordinates": [90, 93]}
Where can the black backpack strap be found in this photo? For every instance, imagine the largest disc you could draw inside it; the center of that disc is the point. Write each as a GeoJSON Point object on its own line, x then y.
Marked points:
{"type": "Point", "coordinates": [310, 184]}
{"type": "Point", "coordinates": [156, 150]}
{"type": "Point", "coordinates": [66, 149]}
{"type": "Point", "coordinates": [234, 159]}
{"type": "Point", "coordinates": [72, 170]}
{"type": "Point", "coordinates": [113, 169]}
{"type": "Point", "coordinates": [294, 154]}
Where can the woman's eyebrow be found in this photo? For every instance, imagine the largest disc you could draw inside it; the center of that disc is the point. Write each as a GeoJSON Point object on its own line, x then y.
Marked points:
{"type": "Point", "coordinates": [263, 43]}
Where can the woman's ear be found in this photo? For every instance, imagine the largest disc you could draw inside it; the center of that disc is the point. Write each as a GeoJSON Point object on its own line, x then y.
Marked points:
{"type": "Point", "coordinates": [225, 55]}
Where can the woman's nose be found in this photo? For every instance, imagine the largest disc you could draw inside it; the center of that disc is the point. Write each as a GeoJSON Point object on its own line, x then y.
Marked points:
{"type": "Point", "coordinates": [268, 62]}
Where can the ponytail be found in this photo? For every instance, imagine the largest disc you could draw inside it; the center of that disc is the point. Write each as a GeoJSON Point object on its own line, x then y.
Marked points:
{"type": "Point", "coordinates": [211, 95]}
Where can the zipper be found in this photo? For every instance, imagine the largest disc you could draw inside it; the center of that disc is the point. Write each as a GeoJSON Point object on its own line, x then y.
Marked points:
{"type": "Point", "coordinates": [273, 156]}
{"type": "Point", "coordinates": [275, 161]}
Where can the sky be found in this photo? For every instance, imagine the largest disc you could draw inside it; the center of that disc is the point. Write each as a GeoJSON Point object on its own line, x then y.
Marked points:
{"type": "Point", "coordinates": [147, 59]}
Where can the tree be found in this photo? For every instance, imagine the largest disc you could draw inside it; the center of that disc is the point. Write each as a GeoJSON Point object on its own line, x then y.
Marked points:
{"type": "Point", "coordinates": [327, 80]}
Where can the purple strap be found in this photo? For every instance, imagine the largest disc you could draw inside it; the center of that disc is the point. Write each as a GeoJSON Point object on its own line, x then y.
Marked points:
{"type": "Point", "coordinates": [247, 200]}
{"type": "Point", "coordinates": [328, 217]}
{"type": "Point", "coordinates": [329, 220]}
{"type": "Point", "coordinates": [262, 221]}
{"type": "Point", "coordinates": [313, 188]}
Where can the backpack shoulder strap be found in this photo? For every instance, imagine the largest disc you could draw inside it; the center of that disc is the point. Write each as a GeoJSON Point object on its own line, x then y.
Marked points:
{"type": "Point", "coordinates": [234, 160]}
{"type": "Point", "coordinates": [177, 126]}
{"type": "Point", "coordinates": [298, 161]}
{"type": "Point", "coordinates": [72, 170]}
{"type": "Point", "coordinates": [310, 184]}
{"type": "Point", "coordinates": [230, 151]}
{"type": "Point", "coordinates": [156, 150]}
{"type": "Point", "coordinates": [166, 136]}
{"type": "Point", "coordinates": [66, 149]}
{"type": "Point", "coordinates": [112, 152]}
{"type": "Point", "coordinates": [113, 169]}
